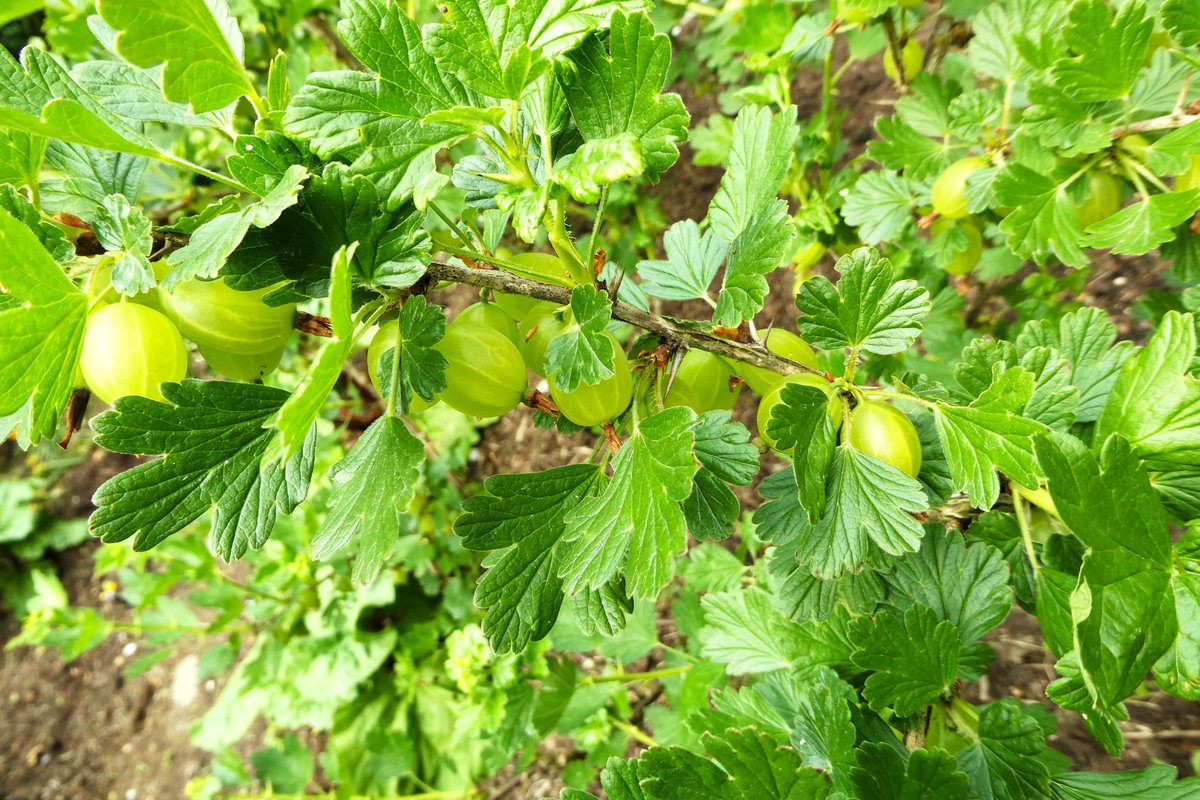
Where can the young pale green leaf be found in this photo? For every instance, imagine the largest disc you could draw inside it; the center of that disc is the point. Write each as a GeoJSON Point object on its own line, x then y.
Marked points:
{"type": "Point", "coordinates": [213, 242]}
{"type": "Point", "coordinates": [124, 231]}
{"type": "Point", "coordinates": [1141, 227]}
{"type": "Point", "coordinates": [1155, 403]}
{"type": "Point", "coordinates": [743, 632]}
{"type": "Point", "coordinates": [43, 317]}
{"type": "Point", "coordinates": [1054, 398]}
{"type": "Point", "coordinates": [767, 703]}
{"type": "Point", "coordinates": [880, 206]}
{"type": "Point", "coordinates": [372, 487]}
{"type": "Point", "coordinates": [1071, 692]}
{"type": "Point", "coordinates": [1008, 760]}
{"type": "Point", "coordinates": [598, 163]}
{"type": "Point", "coordinates": [214, 442]}
{"type": "Point", "coordinates": [614, 87]}
{"type": "Point", "coordinates": [637, 521]}
{"type": "Point", "coordinates": [881, 772]}
{"type": "Point", "coordinates": [866, 310]}
{"type": "Point", "coordinates": [1058, 120]}
{"type": "Point", "coordinates": [803, 420]}
{"type": "Point", "coordinates": [692, 263]}
{"type": "Point", "coordinates": [759, 248]}
{"type": "Point", "coordinates": [869, 509]}
{"type": "Point", "coordinates": [583, 354]}
{"type": "Point", "coordinates": [989, 435]}
{"type": "Point", "coordinates": [804, 596]}
{"type": "Point", "coordinates": [16, 9]}
{"type": "Point", "coordinates": [485, 44]}
{"type": "Point", "coordinates": [964, 585]}
{"type": "Point", "coordinates": [913, 659]}
{"type": "Point", "coordinates": [1109, 49]}
{"type": "Point", "coordinates": [1123, 609]}
{"type": "Point", "coordinates": [197, 41]}
{"type": "Point", "coordinates": [376, 121]}
{"type": "Point", "coordinates": [760, 768]}
{"type": "Point", "coordinates": [297, 414]}
{"type": "Point", "coordinates": [1085, 338]}
{"type": "Point", "coordinates": [524, 517]}
{"type": "Point", "coordinates": [1043, 219]}
{"type": "Point", "coordinates": [260, 162]}
{"type": "Point", "coordinates": [759, 157]}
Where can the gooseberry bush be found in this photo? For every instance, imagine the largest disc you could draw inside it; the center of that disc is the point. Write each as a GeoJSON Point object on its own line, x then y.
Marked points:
{"type": "Point", "coordinates": [914, 469]}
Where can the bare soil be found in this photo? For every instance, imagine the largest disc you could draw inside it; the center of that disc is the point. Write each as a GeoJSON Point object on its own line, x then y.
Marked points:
{"type": "Point", "coordinates": [80, 730]}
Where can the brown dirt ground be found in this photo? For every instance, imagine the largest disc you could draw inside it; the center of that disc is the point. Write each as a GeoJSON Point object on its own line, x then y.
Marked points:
{"type": "Point", "coordinates": [80, 730]}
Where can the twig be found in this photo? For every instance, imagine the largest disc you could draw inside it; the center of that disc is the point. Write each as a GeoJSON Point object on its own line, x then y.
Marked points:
{"type": "Point", "coordinates": [1178, 733]}
{"type": "Point", "coordinates": [753, 354]}
{"type": "Point", "coordinates": [320, 26]}
{"type": "Point", "coordinates": [1164, 123]}
{"type": "Point", "coordinates": [893, 46]}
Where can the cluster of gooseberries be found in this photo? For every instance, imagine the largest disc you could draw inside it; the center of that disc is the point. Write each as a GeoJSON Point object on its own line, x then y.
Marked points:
{"type": "Point", "coordinates": [1101, 194]}
{"type": "Point", "coordinates": [491, 346]}
{"type": "Point", "coordinates": [132, 345]}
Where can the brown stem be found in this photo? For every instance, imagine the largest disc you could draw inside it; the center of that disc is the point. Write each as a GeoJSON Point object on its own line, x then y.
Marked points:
{"type": "Point", "coordinates": [498, 281]}
{"type": "Point", "coordinates": [328, 34]}
{"type": "Point", "coordinates": [893, 45]}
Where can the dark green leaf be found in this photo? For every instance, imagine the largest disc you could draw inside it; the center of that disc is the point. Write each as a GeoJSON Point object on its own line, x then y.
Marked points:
{"type": "Point", "coordinates": [212, 438]}
{"type": "Point", "coordinates": [913, 659]}
{"type": "Point", "coordinates": [523, 516]}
